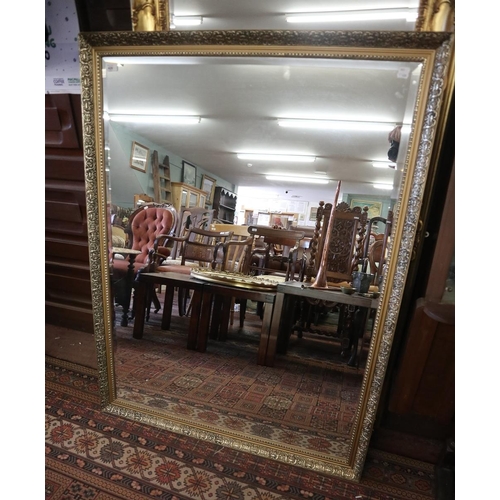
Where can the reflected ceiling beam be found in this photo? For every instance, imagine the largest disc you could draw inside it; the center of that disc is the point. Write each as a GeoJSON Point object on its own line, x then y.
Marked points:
{"type": "Point", "coordinates": [410, 14]}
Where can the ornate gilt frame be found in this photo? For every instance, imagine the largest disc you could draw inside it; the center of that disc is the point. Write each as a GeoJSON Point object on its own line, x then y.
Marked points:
{"type": "Point", "coordinates": [433, 50]}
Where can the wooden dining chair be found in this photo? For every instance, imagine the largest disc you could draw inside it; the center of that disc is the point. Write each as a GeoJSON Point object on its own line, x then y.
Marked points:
{"type": "Point", "coordinates": [198, 217]}
{"type": "Point", "coordinates": [237, 255]}
{"type": "Point", "coordinates": [276, 252]}
{"type": "Point", "coordinates": [198, 248]}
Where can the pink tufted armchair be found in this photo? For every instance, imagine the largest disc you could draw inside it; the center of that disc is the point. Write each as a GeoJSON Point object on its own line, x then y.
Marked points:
{"type": "Point", "coordinates": [147, 228]}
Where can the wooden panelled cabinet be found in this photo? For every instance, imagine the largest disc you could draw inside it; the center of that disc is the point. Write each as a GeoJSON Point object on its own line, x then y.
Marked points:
{"type": "Point", "coordinates": [224, 205]}
{"type": "Point", "coordinates": [186, 196]}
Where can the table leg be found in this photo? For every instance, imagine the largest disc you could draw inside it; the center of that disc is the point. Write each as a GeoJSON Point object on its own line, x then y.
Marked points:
{"type": "Point", "coordinates": [166, 316]}
{"type": "Point", "coordinates": [262, 356]}
{"type": "Point", "coordinates": [357, 328]}
{"type": "Point", "coordinates": [139, 309]}
{"type": "Point", "coordinates": [128, 290]}
{"type": "Point", "coordinates": [216, 317]}
{"type": "Point", "coordinates": [194, 320]}
{"type": "Point", "coordinates": [203, 326]}
{"type": "Point", "coordinates": [276, 328]}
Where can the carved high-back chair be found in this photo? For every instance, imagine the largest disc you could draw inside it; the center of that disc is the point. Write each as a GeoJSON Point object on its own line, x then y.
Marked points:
{"type": "Point", "coordinates": [344, 255]}
{"type": "Point", "coordinates": [345, 248]}
{"type": "Point", "coordinates": [146, 226]}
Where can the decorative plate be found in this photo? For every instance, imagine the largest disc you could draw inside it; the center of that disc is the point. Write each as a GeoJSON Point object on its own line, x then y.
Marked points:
{"type": "Point", "coordinates": [238, 279]}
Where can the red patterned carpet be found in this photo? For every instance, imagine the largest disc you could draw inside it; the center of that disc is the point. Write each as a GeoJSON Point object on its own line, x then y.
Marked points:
{"type": "Point", "coordinates": [93, 455]}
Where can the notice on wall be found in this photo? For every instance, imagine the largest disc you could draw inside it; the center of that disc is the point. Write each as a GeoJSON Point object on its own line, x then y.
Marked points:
{"type": "Point", "coordinates": [62, 64]}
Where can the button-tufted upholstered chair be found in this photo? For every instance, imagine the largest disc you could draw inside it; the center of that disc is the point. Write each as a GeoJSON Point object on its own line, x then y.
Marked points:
{"type": "Point", "coordinates": [148, 225]}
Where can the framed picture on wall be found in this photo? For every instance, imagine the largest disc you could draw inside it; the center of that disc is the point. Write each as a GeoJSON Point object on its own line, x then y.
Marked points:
{"type": "Point", "coordinates": [208, 185]}
{"type": "Point", "coordinates": [139, 157]}
{"type": "Point", "coordinates": [374, 207]}
{"type": "Point", "coordinates": [188, 173]}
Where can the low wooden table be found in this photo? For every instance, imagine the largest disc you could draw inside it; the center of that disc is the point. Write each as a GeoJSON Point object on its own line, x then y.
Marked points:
{"type": "Point", "coordinates": [205, 295]}
{"type": "Point", "coordinates": [287, 295]}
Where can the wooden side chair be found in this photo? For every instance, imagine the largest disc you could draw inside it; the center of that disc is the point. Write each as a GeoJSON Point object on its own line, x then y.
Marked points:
{"type": "Point", "coordinates": [237, 255]}
{"type": "Point", "coordinates": [198, 217]}
{"type": "Point", "coordinates": [279, 253]}
{"type": "Point", "coordinates": [198, 248]}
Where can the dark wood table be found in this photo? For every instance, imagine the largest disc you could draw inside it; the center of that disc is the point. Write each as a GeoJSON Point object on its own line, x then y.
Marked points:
{"type": "Point", "coordinates": [287, 295]}
{"type": "Point", "coordinates": [171, 281]}
{"type": "Point", "coordinates": [210, 303]}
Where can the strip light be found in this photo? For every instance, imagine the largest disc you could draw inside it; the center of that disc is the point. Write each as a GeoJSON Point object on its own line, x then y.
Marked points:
{"type": "Point", "coordinates": [353, 15]}
{"type": "Point", "coordinates": [276, 157]}
{"type": "Point", "coordinates": [383, 164]}
{"type": "Point", "coordinates": [187, 20]}
{"type": "Point", "coordinates": [336, 124]}
{"type": "Point", "coordinates": [288, 178]}
{"type": "Point", "coordinates": [383, 186]}
{"type": "Point", "coordinates": [158, 119]}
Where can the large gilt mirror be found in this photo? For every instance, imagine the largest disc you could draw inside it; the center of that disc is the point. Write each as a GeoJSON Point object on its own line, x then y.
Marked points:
{"type": "Point", "coordinates": [238, 66]}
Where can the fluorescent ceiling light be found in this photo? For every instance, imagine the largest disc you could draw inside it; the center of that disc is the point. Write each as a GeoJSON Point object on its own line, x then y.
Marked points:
{"type": "Point", "coordinates": [353, 15]}
{"type": "Point", "coordinates": [336, 124]}
{"type": "Point", "coordinates": [288, 178]}
{"type": "Point", "coordinates": [383, 186]}
{"type": "Point", "coordinates": [383, 164]}
{"type": "Point", "coordinates": [159, 119]}
{"type": "Point", "coordinates": [276, 157]}
{"type": "Point", "coordinates": [187, 20]}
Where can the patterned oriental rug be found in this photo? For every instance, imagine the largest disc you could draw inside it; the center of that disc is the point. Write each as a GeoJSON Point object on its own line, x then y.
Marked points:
{"type": "Point", "coordinates": [91, 455]}
{"type": "Point", "coordinates": [308, 399]}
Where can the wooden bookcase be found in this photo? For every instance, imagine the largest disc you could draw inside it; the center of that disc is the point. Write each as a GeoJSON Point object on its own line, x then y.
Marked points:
{"type": "Point", "coordinates": [224, 205]}
{"type": "Point", "coordinates": [161, 179]}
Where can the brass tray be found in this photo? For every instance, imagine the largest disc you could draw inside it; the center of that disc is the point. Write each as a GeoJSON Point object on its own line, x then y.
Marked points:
{"type": "Point", "coordinates": [238, 279]}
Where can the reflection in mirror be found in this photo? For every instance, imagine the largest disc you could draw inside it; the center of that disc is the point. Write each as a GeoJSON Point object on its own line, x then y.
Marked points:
{"type": "Point", "coordinates": [307, 406]}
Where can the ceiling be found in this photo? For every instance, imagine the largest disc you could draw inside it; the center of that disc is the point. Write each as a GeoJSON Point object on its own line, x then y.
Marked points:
{"type": "Point", "coordinates": [266, 14]}
{"type": "Point", "coordinates": [239, 103]}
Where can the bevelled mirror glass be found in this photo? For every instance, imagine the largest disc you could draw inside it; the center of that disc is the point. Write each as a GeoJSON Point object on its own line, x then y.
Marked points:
{"type": "Point", "coordinates": [171, 72]}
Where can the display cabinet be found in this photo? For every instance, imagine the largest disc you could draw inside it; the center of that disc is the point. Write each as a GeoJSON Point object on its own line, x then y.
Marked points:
{"type": "Point", "coordinates": [186, 196]}
{"type": "Point", "coordinates": [224, 205]}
